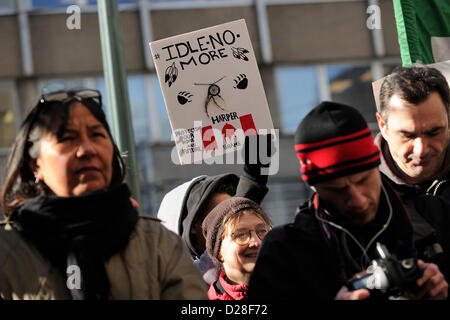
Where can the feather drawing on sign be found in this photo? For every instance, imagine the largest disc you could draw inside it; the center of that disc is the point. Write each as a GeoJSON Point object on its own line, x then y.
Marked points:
{"type": "Point", "coordinates": [171, 74]}
{"type": "Point", "coordinates": [239, 53]}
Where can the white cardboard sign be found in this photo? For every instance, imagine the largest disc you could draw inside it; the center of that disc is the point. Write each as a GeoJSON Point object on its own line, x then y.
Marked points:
{"type": "Point", "coordinates": [212, 89]}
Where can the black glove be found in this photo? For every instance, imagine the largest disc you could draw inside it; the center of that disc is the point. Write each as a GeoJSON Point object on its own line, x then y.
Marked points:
{"type": "Point", "coordinates": [258, 150]}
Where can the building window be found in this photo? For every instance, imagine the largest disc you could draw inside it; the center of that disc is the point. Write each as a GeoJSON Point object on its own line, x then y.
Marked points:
{"type": "Point", "coordinates": [7, 114]}
{"type": "Point", "coordinates": [148, 112]}
{"type": "Point", "coordinates": [352, 85]}
{"type": "Point", "coordinates": [389, 67]}
{"type": "Point", "coordinates": [298, 91]}
{"type": "Point", "coordinates": [50, 85]}
{"type": "Point", "coordinates": [163, 116]}
{"type": "Point", "coordinates": [136, 92]}
{"type": "Point", "coordinates": [138, 105]}
{"type": "Point", "coordinates": [7, 5]}
{"type": "Point", "coordinates": [301, 88]}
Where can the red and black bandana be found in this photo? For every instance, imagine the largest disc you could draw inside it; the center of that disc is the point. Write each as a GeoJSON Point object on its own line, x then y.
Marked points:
{"type": "Point", "coordinates": [332, 141]}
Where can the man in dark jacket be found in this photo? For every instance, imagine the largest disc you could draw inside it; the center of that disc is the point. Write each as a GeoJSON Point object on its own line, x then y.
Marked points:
{"type": "Point", "coordinates": [415, 152]}
{"type": "Point", "coordinates": [334, 236]}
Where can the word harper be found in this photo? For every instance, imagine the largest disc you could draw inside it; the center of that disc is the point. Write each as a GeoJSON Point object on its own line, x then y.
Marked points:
{"type": "Point", "coordinates": [224, 117]}
{"type": "Point", "coordinates": [228, 131]}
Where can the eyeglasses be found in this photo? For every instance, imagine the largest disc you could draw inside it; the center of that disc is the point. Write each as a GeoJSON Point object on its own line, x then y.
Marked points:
{"type": "Point", "coordinates": [64, 95]}
{"type": "Point", "coordinates": [243, 236]}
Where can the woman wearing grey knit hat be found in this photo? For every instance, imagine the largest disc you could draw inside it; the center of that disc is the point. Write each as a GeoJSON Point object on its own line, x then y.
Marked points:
{"type": "Point", "coordinates": [233, 231]}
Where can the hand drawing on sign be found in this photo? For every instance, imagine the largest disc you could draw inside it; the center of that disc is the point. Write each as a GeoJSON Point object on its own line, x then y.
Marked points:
{"type": "Point", "coordinates": [171, 74]}
{"type": "Point", "coordinates": [239, 53]}
{"type": "Point", "coordinates": [184, 97]}
{"type": "Point", "coordinates": [213, 93]}
{"type": "Point", "coordinates": [241, 82]}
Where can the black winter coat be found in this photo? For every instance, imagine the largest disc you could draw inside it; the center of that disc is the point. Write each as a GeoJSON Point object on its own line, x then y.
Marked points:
{"type": "Point", "coordinates": [305, 259]}
{"type": "Point", "coordinates": [429, 206]}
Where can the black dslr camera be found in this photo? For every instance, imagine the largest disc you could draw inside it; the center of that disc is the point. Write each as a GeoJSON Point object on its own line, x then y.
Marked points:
{"type": "Point", "coordinates": [389, 278]}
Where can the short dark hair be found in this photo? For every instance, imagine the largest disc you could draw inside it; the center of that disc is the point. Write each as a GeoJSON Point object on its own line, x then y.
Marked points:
{"type": "Point", "coordinates": [413, 84]}
{"type": "Point", "coordinates": [45, 117]}
{"type": "Point", "coordinates": [227, 188]}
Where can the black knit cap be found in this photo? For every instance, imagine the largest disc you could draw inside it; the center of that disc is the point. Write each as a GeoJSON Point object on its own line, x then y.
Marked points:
{"type": "Point", "coordinates": [332, 141]}
{"type": "Point", "coordinates": [213, 225]}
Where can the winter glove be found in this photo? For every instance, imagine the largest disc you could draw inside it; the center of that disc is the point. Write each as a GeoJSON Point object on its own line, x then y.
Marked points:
{"type": "Point", "coordinates": [258, 150]}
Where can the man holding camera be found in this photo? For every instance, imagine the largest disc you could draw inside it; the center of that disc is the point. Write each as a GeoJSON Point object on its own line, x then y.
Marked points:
{"type": "Point", "coordinates": [413, 119]}
{"type": "Point", "coordinates": [338, 233]}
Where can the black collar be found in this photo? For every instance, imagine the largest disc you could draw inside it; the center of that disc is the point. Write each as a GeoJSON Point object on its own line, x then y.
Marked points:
{"type": "Point", "coordinates": [86, 229]}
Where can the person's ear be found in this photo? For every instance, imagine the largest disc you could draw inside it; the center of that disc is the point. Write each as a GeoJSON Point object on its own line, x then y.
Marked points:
{"type": "Point", "coordinates": [32, 163]}
{"type": "Point", "coordinates": [381, 125]}
{"type": "Point", "coordinates": [219, 256]}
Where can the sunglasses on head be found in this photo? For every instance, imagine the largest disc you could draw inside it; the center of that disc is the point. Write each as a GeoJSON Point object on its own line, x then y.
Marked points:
{"type": "Point", "coordinates": [64, 95]}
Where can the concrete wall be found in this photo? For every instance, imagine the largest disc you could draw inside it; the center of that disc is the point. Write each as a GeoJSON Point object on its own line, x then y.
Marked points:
{"type": "Point", "coordinates": [10, 56]}
{"type": "Point", "coordinates": [389, 28]}
{"type": "Point", "coordinates": [319, 32]}
{"type": "Point", "coordinates": [166, 23]}
{"type": "Point", "coordinates": [299, 33]}
{"type": "Point", "coordinates": [58, 51]}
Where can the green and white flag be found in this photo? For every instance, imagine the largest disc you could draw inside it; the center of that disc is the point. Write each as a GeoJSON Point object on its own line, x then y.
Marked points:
{"type": "Point", "coordinates": [423, 28]}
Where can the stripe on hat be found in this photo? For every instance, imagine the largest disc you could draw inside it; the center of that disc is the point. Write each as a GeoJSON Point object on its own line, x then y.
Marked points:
{"type": "Point", "coordinates": [306, 147]}
{"type": "Point", "coordinates": [340, 167]}
{"type": "Point", "coordinates": [336, 154]}
{"type": "Point", "coordinates": [333, 154]}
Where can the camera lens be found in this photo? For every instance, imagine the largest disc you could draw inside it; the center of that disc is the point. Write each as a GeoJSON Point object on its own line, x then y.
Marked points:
{"type": "Point", "coordinates": [408, 263]}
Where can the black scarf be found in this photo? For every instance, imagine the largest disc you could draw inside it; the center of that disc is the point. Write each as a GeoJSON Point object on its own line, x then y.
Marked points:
{"type": "Point", "coordinates": [84, 231]}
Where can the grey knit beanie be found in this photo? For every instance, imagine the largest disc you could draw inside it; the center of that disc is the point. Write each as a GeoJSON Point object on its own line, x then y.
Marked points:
{"type": "Point", "coordinates": [213, 224]}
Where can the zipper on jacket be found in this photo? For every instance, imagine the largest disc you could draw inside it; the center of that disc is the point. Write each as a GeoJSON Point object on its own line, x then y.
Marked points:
{"type": "Point", "coordinates": [436, 187]}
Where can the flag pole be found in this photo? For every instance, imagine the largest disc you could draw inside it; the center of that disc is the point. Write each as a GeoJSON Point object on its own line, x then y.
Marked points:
{"type": "Point", "coordinates": [117, 89]}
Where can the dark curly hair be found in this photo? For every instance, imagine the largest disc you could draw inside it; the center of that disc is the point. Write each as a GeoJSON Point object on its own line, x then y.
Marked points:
{"type": "Point", "coordinates": [413, 84]}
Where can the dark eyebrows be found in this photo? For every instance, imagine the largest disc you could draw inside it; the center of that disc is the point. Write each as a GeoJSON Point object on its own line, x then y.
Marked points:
{"type": "Point", "coordinates": [434, 129]}
{"type": "Point", "coordinates": [73, 131]}
{"type": "Point", "coordinates": [262, 224]}
{"type": "Point", "coordinates": [334, 187]}
{"type": "Point", "coordinates": [406, 132]}
{"type": "Point", "coordinates": [97, 126]}
{"type": "Point", "coordinates": [413, 133]}
{"type": "Point", "coordinates": [70, 131]}
{"type": "Point", "coordinates": [91, 128]}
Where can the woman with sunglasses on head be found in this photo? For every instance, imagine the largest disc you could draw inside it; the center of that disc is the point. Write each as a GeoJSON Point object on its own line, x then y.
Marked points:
{"type": "Point", "coordinates": [71, 231]}
{"type": "Point", "coordinates": [233, 231]}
